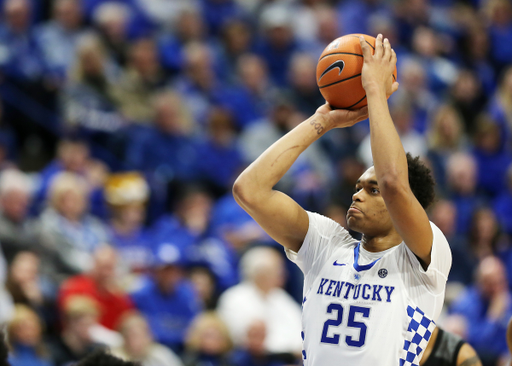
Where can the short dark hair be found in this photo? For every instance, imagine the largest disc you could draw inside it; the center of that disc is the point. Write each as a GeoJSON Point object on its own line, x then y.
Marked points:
{"type": "Point", "coordinates": [103, 358]}
{"type": "Point", "coordinates": [421, 181]}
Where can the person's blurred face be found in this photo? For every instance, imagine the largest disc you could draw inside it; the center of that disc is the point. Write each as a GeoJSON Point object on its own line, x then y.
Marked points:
{"type": "Point", "coordinates": [253, 73]}
{"type": "Point", "coordinates": [237, 38]}
{"type": "Point", "coordinates": [368, 213]}
{"type": "Point", "coordinates": [466, 87]}
{"type": "Point", "coordinates": [199, 67]}
{"type": "Point", "coordinates": [279, 37]}
{"type": "Point", "coordinates": [144, 57]}
{"type": "Point", "coordinates": [327, 25]}
{"type": "Point", "coordinates": [15, 205]}
{"type": "Point", "coordinates": [486, 225]}
{"type": "Point", "coordinates": [450, 127]}
{"type": "Point", "coordinates": [68, 13]}
{"type": "Point", "coordinates": [28, 332]}
{"type": "Point", "coordinates": [74, 156]}
{"type": "Point", "coordinates": [302, 75]}
{"type": "Point", "coordinates": [194, 211]}
{"type": "Point", "coordinates": [132, 215]}
{"type": "Point", "coordinates": [137, 337]}
{"type": "Point", "coordinates": [256, 335]}
{"type": "Point", "coordinates": [25, 267]}
{"type": "Point", "coordinates": [92, 63]}
{"type": "Point", "coordinates": [212, 341]}
{"type": "Point", "coordinates": [492, 279]}
{"type": "Point", "coordinates": [462, 176]}
{"type": "Point", "coordinates": [105, 264]}
{"type": "Point", "coordinates": [115, 29]}
{"type": "Point", "coordinates": [444, 215]}
{"type": "Point", "coordinates": [203, 283]}
{"type": "Point", "coordinates": [168, 277]}
{"type": "Point", "coordinates": [17, 15]}
{"type": "Point", "coordinates": [413, 77]}
{"type": "Point", "coordinates": [167, 117]}
{"type": "Point", "coordinates": [72, 204]}
{"type": "Point", "coordinates": [271, 275]}
{"type": "Point", "coordinates": [81, 326]}
{"type": "Point", "coordinates": [190, 26]}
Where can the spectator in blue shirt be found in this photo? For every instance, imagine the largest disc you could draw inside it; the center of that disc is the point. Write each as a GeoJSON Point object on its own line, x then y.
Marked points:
{"type": "Point", "coordinates": [126, 195]}
{"type": "Point", "coordinates": [166, 299]}
{"type": "Point", "coordinates": [491, 159]}
{"type": "Point", "coordinates": [487, 307]}
{"type": "Point", "coordinates": [59, 37]}
{"type": "Point", "coordinates": [500, 32]}
{"type": "Point", "coordinates": [277, 44]}
{"type": "Point", "coordinates": [503, 205]}
{"type": "Point", "coordinates": [25, 337]}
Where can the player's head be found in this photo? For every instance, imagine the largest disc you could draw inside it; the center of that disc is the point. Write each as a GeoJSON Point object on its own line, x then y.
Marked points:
{"type": "Point", "coordinates": [102, 358]}
{"type": "Point", "coordinates": [371, 216]}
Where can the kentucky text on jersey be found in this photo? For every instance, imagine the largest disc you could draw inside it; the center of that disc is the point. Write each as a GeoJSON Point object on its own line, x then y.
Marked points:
{"type": "Point", "coordinates": [345, 290]}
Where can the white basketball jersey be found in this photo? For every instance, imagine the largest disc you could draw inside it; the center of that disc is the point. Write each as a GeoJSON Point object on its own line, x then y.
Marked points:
{"type": "Point", "coordinates": [367, 309]}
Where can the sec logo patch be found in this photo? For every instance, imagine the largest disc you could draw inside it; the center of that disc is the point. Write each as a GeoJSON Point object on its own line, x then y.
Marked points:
{"type": "Point", "coordinates": [383, 272]}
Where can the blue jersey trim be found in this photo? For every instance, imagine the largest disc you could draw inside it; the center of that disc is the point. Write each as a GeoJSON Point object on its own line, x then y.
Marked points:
{"type": "Point", "coordinates": [365, 267]}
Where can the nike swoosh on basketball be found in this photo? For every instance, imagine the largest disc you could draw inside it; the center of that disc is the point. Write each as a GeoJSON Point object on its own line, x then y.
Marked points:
{"type": "Point", "coordinates": [338, 264]}
{"type": "Point", "coordinates": [340, 64]}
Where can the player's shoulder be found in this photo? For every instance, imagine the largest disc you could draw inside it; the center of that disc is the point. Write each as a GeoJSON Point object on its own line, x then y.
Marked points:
{"type": "Point", "coordinates": [327, 228]}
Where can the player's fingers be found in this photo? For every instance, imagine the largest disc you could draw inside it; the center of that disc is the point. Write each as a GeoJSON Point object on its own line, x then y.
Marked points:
{"type": "Point", "coordinates": [393, 57]}
{"type": "Point", "coordinates": [378, 46]}
{"type": "Point", "coordinates": [367, 54]}
{"type": "Point", "coordinates": [387, 50]}
{"type": "Point", "coordinates": [394, 87]}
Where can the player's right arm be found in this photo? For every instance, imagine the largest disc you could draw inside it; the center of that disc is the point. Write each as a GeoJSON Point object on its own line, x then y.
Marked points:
{"type": "Point", "coordinates": [467, 356]}
{"type": "Point", "coordinates": [279, 215]}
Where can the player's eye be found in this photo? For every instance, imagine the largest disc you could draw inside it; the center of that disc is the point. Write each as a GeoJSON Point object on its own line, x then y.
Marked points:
{"type": "Point", "coordinates": [375, 191]}
{"type": "Point", "coordinates": [357, 189]}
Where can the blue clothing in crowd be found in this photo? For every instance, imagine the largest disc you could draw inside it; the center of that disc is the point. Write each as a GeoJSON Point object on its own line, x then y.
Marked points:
{"type": "Point", "coordinates": [168, 315]}
{"type": "Point", "coordinates": [487, 336]}
{"type": "Point", "coordinates": [22, 355]}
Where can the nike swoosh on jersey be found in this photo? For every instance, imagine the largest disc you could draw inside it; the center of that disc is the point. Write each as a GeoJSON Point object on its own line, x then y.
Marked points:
{"type": "Point", "coordinates": [338, 264]}
{"type": "Point", "coordinates": [340, 64]}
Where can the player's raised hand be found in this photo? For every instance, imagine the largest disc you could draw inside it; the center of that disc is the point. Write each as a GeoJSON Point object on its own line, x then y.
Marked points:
{"type": "Point", "coordinates": [340, 118]}
{"type": "Point", "coordinates": [378, 68]}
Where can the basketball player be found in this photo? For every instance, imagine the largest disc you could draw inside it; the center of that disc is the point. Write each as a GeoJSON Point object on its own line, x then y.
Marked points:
{"type": "Point", "coordinates": [371, 302]}
{"type": "Point", "coordinates": [447, 349]}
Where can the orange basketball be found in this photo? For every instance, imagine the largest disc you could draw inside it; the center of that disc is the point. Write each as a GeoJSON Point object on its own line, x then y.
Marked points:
{"type": "Point", "coordinates": [338, 72]}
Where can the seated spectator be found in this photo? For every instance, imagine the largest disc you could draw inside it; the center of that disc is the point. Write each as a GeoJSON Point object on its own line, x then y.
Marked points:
{"type": "Point", "coordinates": [166, 299]}
{"type": "Point", "coordinates": [500, 32]}
{"type": "Point", "coordinates": [79, 317]}
{"type": "Point", "coordinates": [141, 80]}
{"type": "Point", "coordinates": [277, 44]}
{"type": "Point", "coordinates": [102, 285]}
{"type": "Point", "coordinates": [254, 352]}
{"type": "Point", "coordinates": [236, 42]}
{"type": "Point", "coordinates": [205, 285]}
{"type": "Point", "coordinates": [25, 333]}
{"type": "Point", "coordinates": [313, 163]}
{"type": "Point", "coordinates": [17, 231]}
{"type": "Point", "coordinates": [233, 225]}
{"type": "Point", "coordinates": [412, 141]}
{"type": "Point", "coordinates": [445, 137]}
{"type": "Point", "coordinates": [499, 108]}
{"type": "Point", "coordinates": [166, 147]}
{"type": "Point", "coordinates": [503, 205]}
{"type": "Point", "coordinates": [302, 84]}
{"type": "Point", "coordinates": [59, 37]}
{"type": "Point", "coordinates": [189, 229]}
{"type": "Point", "coordinates": [127, 194]}
{"type": "Point", "coordinates": [73, 155]}
{"type": "Point", "coordinates": [189, 28]}
{"type": "Point", "coordinates": [208, 341]}
{"type": "Point", "coordinates": [69, 235]}
{"type": "Point", "coordinates": [461, 175]}
{"type": "Point", "coordinates": [221, 159]}
{"type": "Point", "coordinates": [260, 297]}
{"type": "Point", "coordinates": [26, 80]}
{"type": "Point", "coordinates": [492, 160]}
{"type": "Point", "coordinates": [139, 345]}
{"type": "Point", "coordinates": [29, 287]}
{"type": "Point", "coordinates": [487, 306]}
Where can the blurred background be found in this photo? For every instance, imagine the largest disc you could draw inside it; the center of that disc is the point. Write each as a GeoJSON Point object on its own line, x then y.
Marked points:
{"type": "Point", "coordinates": [123, 125]}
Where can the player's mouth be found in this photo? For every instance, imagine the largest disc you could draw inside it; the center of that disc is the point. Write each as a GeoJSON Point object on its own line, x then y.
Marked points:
{"type": "Point", "coordinates": [354, 210]}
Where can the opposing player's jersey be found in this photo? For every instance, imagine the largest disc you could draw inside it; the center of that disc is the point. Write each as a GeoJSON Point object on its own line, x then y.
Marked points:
{"type": "Point", "coordinates": [366, 309]}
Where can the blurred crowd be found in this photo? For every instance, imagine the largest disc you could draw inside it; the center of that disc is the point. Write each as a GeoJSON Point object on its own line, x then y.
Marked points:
{"type": "Point", "coordinates": [123, 124]}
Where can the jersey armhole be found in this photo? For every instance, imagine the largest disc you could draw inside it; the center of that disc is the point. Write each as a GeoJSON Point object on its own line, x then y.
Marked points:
{"type": "Point", "coordinates": [457, 350]}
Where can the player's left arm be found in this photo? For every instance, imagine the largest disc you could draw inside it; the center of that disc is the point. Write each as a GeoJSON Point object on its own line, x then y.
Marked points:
{"type": "Point", "coordinates": [390, 162]}
{"type": "Point", "coordinates": [467, 356]}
